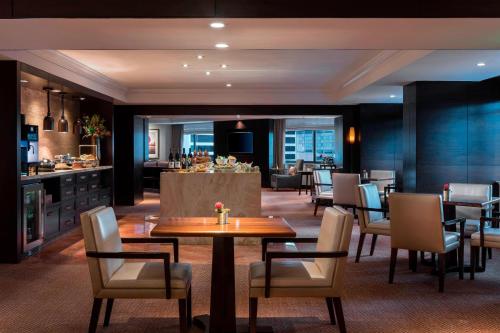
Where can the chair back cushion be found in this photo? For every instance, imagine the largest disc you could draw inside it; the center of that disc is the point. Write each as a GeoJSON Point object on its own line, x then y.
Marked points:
{"type": "Point", "coordinates": [322, 181]}
{"type": "Point", "coordinates": [383, 174]}
{"type": "Point", "coordinates": [107, 239]}
{"type": "Point", "coordinates": [344, 188]}
{"type": "Point", "coordinates": [334, 235]}
{"type": "Point", "coordinates": [299, 165]}
{"type": "Point", "coordinates": [89, 242]}
{"type": "Point", "coordinates": [467, 192]}
{"type": "Point", "coordinates": [368, 197]}
{"type": "Point", "coordinates": [416, 222]}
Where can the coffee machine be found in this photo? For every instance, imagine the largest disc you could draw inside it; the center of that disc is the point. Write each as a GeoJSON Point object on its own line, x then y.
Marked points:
{"type": "Point", "coordinates": [29, 149]}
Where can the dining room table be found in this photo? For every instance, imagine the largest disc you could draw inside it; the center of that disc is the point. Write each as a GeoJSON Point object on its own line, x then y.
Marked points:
{"type": "Point", "coordinates": [222, 316]}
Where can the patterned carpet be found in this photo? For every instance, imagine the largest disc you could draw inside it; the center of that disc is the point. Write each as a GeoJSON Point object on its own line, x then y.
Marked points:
{"type": "Point", "coordinates": [51, 291]}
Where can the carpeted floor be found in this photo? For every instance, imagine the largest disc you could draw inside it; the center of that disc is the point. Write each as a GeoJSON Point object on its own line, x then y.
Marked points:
{"type": "Point", "coordinates": [51, 292]}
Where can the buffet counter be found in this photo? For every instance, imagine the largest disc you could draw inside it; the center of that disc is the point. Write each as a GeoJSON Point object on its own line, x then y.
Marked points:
{"type": "Point", "coordinates": [58, 173]}
{"type": "Point", "coordinates": [193, 194]}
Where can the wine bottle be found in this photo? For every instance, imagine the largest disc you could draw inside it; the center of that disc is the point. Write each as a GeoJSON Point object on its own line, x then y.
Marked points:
{"type": "Point", "coordinates": [183, 159]}
{"type": "Point", "coordinates": [190, 158]}
{"type": "Point", "coordinates": [177, 163]}
{"type": "Point", "coordinates": [171, 160]}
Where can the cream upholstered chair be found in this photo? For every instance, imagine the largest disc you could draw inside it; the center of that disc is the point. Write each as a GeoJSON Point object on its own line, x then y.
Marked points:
{"type": "Point", "coordinates": [112, 277]}
{"type": "Point", "coordinates": [388, 177]}
{"type": "Point", "coordinates": [345, 186]}
{"type": "Point", "coordinates": [322, 188]}
{"type": "Point", "coordinates": [417, 225]}
{"type": "Point", "coordinates": [484, 238]}
{"type": "Point", "coordinates": [371, 216]}
{"type": "Point", "coordinates": [468, 192]}
{"type": "Point", "coordinates": [322, 277]}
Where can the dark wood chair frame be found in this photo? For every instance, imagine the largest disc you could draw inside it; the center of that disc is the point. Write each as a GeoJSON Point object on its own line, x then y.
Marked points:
{"type": "Point", "coordinates": [474, 250]}
{"type": "Point", "coordinates": [318, 201]}
{"type": "Point", "coordinates": [185, 305]}
{"type": "Point", "coordinates": [441, 257]}
{"type": "Point", "coordinates": [331, 302]}
{"type": "Point", "coordinates": [362, 235]}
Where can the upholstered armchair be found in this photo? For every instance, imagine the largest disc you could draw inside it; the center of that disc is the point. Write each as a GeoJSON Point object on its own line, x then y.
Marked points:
{"type": "Point", "coordinates": [484, 238]}
{"type": "Point", "coordinates": [112, 277]}
{"type": "Point", "coordinates": [345, 186]}
{"type": "Point", "coordinates": [417, 225]}
{"type": "Point", "coordinates": [322, 188]}
{"type": "Point", "coordinates": [371, 216]}
{"type": "Point", "coordinates": [322, 277]}
{"type": "Point", "coordinates": [286, 180]}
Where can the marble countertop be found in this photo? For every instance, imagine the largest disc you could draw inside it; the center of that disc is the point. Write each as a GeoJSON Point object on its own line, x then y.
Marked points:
{"type": "Point", "coordinates": [58, 173]}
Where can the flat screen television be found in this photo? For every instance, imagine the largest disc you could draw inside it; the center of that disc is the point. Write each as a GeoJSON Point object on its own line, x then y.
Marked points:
{"type": "Point", "coordinates": [240, 142]}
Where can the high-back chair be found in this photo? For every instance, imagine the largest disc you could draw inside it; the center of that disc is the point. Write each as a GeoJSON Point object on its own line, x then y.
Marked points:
{"type": "Point", "coordinates": [417, 225]}
{"type": "Point", "coordinates": [388, 177]}
{"type": "Point", "coordinates": [322, 277]}
{"type": "Point", "coordinates": [371, 216]}
{"type": "Point", "coordinates": [467, 192]}
{"type": "Point", "coordinates": [344, 189]}
{"type": "Point", "coordinates": [113, 277]}
{"type": "Point", "coordinates": [322, 188]}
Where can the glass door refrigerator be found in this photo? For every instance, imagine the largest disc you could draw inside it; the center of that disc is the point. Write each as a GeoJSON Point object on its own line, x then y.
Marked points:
{"type": "Point", "coordinates": [32, 216]}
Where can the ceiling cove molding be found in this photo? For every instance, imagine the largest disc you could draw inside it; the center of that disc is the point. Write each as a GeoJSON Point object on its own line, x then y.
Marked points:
{"type": "Point", "coordinates": [376, 67]}
{"type": "Point", "coordinates": [59, 64]}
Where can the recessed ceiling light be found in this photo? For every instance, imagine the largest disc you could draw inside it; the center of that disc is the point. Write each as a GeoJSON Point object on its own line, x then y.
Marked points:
{"type": "Point", "coordinates": [238, 116]}
{"type": "Point", "coordinates": [207, 73]}
{"type": "Point", "coordinates": [82, 98]}
{"type": "Point", "coordinates": [229, 85]}
{"type": "Point", "coordinates": [221, 45]}
{"type": "Point", "coordinates": [200, 56]}
{"type": "Point", "coordinates": [185, 65]}
{"type": "Point", "coordinates": [56, 90]}
{"type": "Point", "coordinates": [392, 96]}
{"type": "Point", "coordinates": [481, 64]}
{"type": "Point", "coordinates": [223, 66]}
{"type": "Point", "coordinates": [217, 25]}
{"type": "Point", "coordinates": [24, 81]}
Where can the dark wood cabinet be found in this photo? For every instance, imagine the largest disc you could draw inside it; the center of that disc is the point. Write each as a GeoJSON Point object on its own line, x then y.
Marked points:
{"type": "Point", "coordinates": [51, 222]}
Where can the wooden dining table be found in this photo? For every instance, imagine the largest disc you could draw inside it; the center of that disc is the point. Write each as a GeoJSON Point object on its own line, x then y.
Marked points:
{"type": "Point", "coordinates": [222, 318]}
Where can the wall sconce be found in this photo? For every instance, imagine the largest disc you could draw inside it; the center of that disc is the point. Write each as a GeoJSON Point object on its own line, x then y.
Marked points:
{"type": "Point", "coordinates": [240, 125]}
{"type": "Point", "coordinates": [351, 136]}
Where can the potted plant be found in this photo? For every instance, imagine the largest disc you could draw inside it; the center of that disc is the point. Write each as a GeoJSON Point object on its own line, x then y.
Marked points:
{"type": "Point", "coordinates": [94, 128]}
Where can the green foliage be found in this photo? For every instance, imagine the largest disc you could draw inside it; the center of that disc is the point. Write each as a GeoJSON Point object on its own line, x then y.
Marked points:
{"type": "Point", "coordinates": [93, 126]}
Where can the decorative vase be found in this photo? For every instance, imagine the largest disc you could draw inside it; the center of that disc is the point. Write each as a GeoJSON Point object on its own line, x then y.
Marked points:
{"type": "Point", "coordinates": [446, 195]}
{"type": "Point", "coordinates": [222, 217]}
{"type": "Point", "coordinates": [96, 141]}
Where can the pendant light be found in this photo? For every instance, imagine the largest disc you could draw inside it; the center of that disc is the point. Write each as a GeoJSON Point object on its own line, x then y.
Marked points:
{"type": "Point", "coordinates": [78, 125]}
{"type": "Point", "coordinates": [48, 121]}
{"type": "Point", "coordinates": [62, 125]}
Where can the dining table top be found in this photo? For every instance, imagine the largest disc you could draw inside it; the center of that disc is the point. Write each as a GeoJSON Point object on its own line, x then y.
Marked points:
{"type": "Point", "coordinates": [471, 202]}
{"type": "Point", "coordinates": [208, 227]}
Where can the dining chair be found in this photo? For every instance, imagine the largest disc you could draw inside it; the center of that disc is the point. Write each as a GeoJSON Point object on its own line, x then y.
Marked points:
{"type": "Point", "coordinates": [322, 188]}
{"type": "Point", "coordinates": [112, 277]}
{"type": "Point", "coordinates": [344, 189]}
{"type": "Point", "coordinates": [388, 176]}
{"type": "Point", "coordinates": [371, 216]}
{"type": "Point", "coordinates": [417, 225]}
{"type": "Point", "coordinates": [322, 277]}
{"type": "Point", "coordinates": [484, 238]}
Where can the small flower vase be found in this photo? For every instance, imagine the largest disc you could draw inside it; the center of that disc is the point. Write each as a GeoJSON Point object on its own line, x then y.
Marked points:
{"type": "Point", "coordinates": [97, 142]}
{"type": "Point", "coordinates": [446, 195]}
{"type": "Point", "coordinates": [222, 216]}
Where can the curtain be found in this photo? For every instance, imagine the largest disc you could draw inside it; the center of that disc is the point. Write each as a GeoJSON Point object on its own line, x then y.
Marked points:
{"type": "Point", "coordinates": [177, 133]}
{"type": "Point", "coordinates": [279, 142]}
{"type": "Point", "coordinates": [339, 142]}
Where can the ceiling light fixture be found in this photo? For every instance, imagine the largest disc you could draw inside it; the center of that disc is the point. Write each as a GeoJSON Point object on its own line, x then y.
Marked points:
{"type": "Point", "coordinates": [229, 85]}
{"type": "Point", "coordinates": [48, 120]}
{"type": "Point", "coordinates": [480, 64]}
{"type": "Point", "coordinates": [221, 45]}
{"type": "Point", "coordinates": [82, 98]}
{"type": "Point", "coordinates": [207, 73]}
{"type": "Point", "coordinates": [62, 125]}
{"type": "Point", "coordinates": [185, 65]}
{"type": "Point", "coordinates": [24, 81]}
{"type": "Point", "coordinates": [392, 96]}
{"type": "Point", "coordinates": [223, 66]}
{"type": "Point", "coordinates": [217, 25]}
{"type": "Point", "coordinates": [199, 56]}
{"type": "Point", "coordinates": [56, 91]}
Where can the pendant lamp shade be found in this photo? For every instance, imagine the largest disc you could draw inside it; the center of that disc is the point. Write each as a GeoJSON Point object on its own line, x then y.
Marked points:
{"type": "Point", "coordinates": [48, 121]}
{"type": "Point", "coordinates": [62, 125]}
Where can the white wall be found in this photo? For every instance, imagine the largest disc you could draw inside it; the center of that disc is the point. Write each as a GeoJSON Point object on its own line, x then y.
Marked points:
{"type": "Point", "coordinates": [165, 139]}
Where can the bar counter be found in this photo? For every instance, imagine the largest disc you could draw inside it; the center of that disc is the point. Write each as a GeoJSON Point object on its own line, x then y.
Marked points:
{"type": "Point", "coordinates": [58, 173]}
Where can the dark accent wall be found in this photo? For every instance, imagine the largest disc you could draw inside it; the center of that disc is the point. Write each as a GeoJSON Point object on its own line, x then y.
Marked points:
{"type": "Point", "coordinates": [247, 8]}
{"type": "Point", "coordinates": [382, 138]}
{"type": "Point", "coordinates": [260, 156]}
{"type": "Point", "coordinates": [455, 128]}
{"type": "Point", "coordinates": [10, 168]}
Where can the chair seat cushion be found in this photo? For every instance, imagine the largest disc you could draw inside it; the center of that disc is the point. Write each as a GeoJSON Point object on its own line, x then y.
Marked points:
{"type": "Point", "coordinates": [295, 274]}
{"type": "Point", "coordinates": [451, 240]}
{"type": "Point", "coordinates": [325, 195]}
{"type": "Point", "coordinates": [491, 238]}
{"type": "Point", "coordinates": [379, 227]}
{"type": "Point", "coordinates": [150, 275]}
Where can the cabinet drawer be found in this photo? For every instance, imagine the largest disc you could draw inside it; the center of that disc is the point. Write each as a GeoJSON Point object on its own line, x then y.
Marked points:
{"type": "Point", "coordinates": [68, 206]}
{"type": "Point", "coordinates": [95, 175]}
{"type": "Point", "coordinates": [51, 223]}
{"type": "Point", "coordinates": [82, 202]}
{"type": "Point", "coordinates": [67, 191]}
{"type": "Point", "coordinates": [94, 185]}
{"type": "Point", "coordinates": [83, 177]}
{"type": "Point", "coordinates": [94, 199]}
{"type": "Point", "coordinates": [67, 222]}
{"type": "Point", "coordinates": [67, 180]}
{"type": "Point", "coordinates": [82, 189]}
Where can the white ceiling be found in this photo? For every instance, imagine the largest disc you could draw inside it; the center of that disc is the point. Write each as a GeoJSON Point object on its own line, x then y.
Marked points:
{"type": "Point", "coordinates": [270, 61]}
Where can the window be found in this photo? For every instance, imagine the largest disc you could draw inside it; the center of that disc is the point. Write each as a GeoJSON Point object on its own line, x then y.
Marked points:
{"type": "Point", "coordinates": [309, 145]}
{"type": "Point", "coordinates": [198, 136]}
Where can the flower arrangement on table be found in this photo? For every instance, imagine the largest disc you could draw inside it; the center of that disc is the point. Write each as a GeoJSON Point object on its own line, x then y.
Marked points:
{"type": "Point", "coordinates": [446, 192]}
{"type": "Point", "coordinates": [222, 213]}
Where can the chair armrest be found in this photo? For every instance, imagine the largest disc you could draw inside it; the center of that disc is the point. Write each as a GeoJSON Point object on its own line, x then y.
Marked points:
{"type": "Point", "coordinates": [294, 255]}
{"type": "Point", "coordinates": [155, 240]}
{"type": "Point", "coordinates": [454, 222]}
{"type": "Point", "coordinates": [482, 221]}
{"type": "Point", "coordinates": [139, 255]}
{"type": "Point", "coordinates": [268, 240]}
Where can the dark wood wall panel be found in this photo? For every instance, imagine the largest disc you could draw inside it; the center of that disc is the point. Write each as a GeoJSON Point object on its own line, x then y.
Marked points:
{"type": "Point", "coordinates": [5, 9]}
{"type": "Point", "coordinates": [409, 138]}
{"type": "Point", "coordinates": [381, 138]}
{"type": "Point", "coordinates": [114, 8]}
